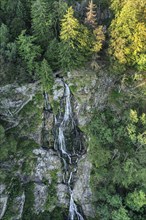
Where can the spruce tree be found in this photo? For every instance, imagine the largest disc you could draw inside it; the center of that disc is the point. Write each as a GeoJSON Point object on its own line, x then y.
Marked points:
{"type": "Point", "coordinates": [75, 41]}
{"type": "Point", "coordinates": [69, 28]}
{"type": "Point", "coordinates": [128, 33]}
{"type": "Point", "coordinates": [91, 14]}
{"type": "Point", "coordinates": [28, 51]}
{"type": "Point", "coordinates": [46, 76]}
{"type": "Point", "coordinates": [42, 21]}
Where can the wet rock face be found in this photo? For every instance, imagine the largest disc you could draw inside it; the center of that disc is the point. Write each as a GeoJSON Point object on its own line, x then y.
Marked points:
{"type": "Point", "coordinates": [21, 108]}
{"type": "Point", "coordinates": [58, 90]}
{"type": "Point", "coordinates": [82, 191]}
{"type": "Point", "coordinates": [62, 195]}
{"type": "Point", "coordinates": [47, 161]}
{"type": "Point", "coordinates": [3, 205]}
{"type": "Point", "coordinates": [48, 174]}
{"type": "Point", "coordinates": [40, 197]}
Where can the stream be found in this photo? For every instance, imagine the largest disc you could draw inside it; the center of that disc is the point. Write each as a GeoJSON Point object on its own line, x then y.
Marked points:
{"type": "Point", "coordinates": [69, 156]}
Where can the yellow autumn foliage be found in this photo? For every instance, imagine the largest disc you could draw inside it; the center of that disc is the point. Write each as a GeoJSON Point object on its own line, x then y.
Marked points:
{"type": "Point", "coordinates": [128, 33]}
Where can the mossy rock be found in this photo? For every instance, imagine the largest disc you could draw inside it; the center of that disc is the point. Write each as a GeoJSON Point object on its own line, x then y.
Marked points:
{"type": "Point", "coordinates": [16, 189]}
{"type": "Point", "coordinates": [52, 195]}
{"type": "Point", "coordinates": [28, 211]}
{"type": "Point", "coordinates": [55, 106]}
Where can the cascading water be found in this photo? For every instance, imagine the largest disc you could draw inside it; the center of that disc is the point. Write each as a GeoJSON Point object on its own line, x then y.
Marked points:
{"type": "Point", "coordinates": [66, 154]}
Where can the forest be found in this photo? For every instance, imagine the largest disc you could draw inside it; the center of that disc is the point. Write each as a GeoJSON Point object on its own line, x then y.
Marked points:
{"type": "Point", "coordinates": [40, 38]}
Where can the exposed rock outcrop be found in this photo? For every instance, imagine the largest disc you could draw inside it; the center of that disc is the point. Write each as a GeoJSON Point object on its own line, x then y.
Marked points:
{"type": "Point", "coordinates": [24, 114]}
{"type": "Point", "coordinates": [82, 190]}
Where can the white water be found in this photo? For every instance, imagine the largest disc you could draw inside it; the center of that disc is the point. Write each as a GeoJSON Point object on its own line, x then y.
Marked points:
{"type": "Point", "coordinates": [73, 212]}
{"type": "Point", "coordinates": [73, 209]}
{"type": "Point", "coordinates": [62, 145]}
{"type": "Point", "coordinates": [68, 109]}
{"type": "Point", "coordinates": [46, 98]}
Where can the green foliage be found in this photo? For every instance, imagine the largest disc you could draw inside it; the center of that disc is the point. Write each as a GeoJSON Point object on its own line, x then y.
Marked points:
{"type": "Point", "coordinates": [15, 189]}
{"type": "Point", "coordinates": [69, 27]}
{"type": "Point", "coordinates": [59, 9]}
{"type": "Point", "coordinates": [69, 57]}
{"type": "Point", "coordinates": [120, 214]}
{"type": "Point", "coordinates": [55, 106]}
{"type": "Point", "coordinates": [52, 54]}
{"type": "Point", "coordinates": [8, 49]}
{"type": "Point", "coordinates": [42, 20]}
{"type": "Point", "coordinates": [137, 137]}
{"type": "Point", "coordinates": [128, 33]}
{"type": "Point", "coordinates": [46, 76]}
{"type": "Point", "coordinates": [136, 200]}
{"type": "Point", "coordinates": [14, 15]}
{"type": "Point", "coordinates": [2, 134]}
{"type": "Point", "coordinates": [4, 35]}
{"type": "Point", "coordinates": [7, 144]}
{"type": "Point", "coordinates": [28, 211]}
{"type": "Point", "coordinates": [78, 42]}
{"type": "Point", "coordinates": [52, 194]}
{"type": "Point", "coordinates": [116, 150]}
{"type": "Point", "coordinates": [28, 51]}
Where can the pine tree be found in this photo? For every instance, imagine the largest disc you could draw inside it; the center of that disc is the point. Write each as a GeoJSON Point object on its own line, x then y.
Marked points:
{"type": "Point", "coordinates": [91, 14]}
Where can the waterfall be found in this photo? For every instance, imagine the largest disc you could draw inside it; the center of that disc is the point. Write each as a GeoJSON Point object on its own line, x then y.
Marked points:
{"type": "Point", "coordinates": [46, 100]}
{"type": "Point", "coordinates": [68, 109]}
{"type": "Point", "coordinates": [65, 154]}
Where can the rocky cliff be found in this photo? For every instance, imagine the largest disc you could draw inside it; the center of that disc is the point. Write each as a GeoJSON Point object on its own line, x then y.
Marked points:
{"type": "Point", "coordinates": [32, 176]}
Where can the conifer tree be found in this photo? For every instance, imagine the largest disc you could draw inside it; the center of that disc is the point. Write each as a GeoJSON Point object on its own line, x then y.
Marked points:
{"type": "Point", "coordinates": [99, 37]}
{"type": "Point", "coordinates": [41, 21]}
{"type": "Point", "coordinates": [46, 76]}
{"type": "Point", "coordinates": [128, 33]}
{"type": "Point", "coordinates": [69, 28]}
{"type": "Point", "coordinates": [28, 51]}
{"type": "Point", "coordinates": [75, 43]}
{"type": "Point", "coordinates": [91, 14]}
{"type": "Point", "coordinates": [70, 53]}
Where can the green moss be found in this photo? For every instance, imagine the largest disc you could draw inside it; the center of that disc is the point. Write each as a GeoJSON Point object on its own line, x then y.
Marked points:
{"type": "Point", "coordinates": [59, 214]}
{"type": "Point", "coordinates": [73, 89]}
{"type": "Point", "coordinates": [8, 144]}
{"type": "Point", "coordinates": [3, 176]}
{"type": "Point", "coordinates": [25, 146]}
{"type": "Point", "coordinates": [55, 106]}
{"type": "Point", "coordinates": [25, 150]}
{"type": "Point", "coordinates": [28, 211]}
{"type": "Point", "coordinates": [114, 96]}
{"type": "Point", "coordinates": [52, 195]}
{"type": "Point", "coordinates": [15, 190]}
{"type": "Point", "coordinates": [28, 166]}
